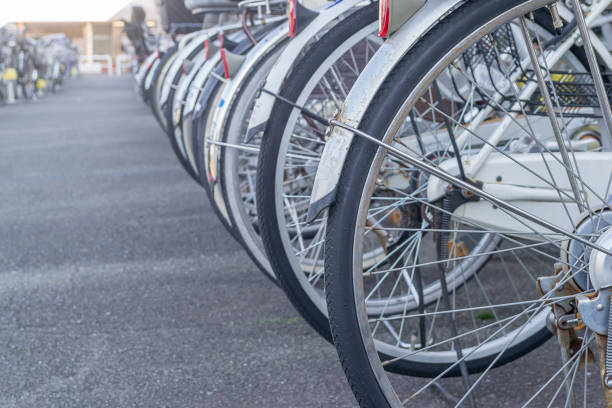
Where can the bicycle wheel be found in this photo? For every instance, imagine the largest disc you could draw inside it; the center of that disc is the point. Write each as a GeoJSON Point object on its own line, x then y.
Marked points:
{"type": "Point", "coordinates": [291, 146]}
{"type": "Point", "coordinates": [202, 123]}
{"type": "Point", "coordinates": [235, 184]}
{"type": "Point", "coordinates": [191, 108]}
{"type": "Point", "coordinates": [218, 96]}
{"type": "Point", "coordinates": [178, 103]}
{"type": "Point", "coordinates": [172, 83]}
{"type": "Point", "coordinates": [464, 105]}
{"type": "Point", "coordinates": [159, 76]}
{"type": "Point", "coordinates": [141, 75]}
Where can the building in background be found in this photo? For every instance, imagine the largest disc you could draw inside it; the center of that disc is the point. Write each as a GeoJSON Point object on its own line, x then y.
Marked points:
{"type": "Point", "coordinates": [93, 37]}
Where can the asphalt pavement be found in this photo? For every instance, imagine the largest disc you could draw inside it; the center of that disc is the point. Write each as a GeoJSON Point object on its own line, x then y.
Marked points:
{"type": "Point", "coordinates": [118, 285]}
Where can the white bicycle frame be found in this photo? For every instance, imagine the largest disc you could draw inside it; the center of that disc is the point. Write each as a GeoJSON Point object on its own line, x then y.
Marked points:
{"type": "Point", "coordinates": [535, 198]}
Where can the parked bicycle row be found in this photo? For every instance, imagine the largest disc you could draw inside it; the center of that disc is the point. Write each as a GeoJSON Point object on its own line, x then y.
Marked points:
{"type": "Point", "coordinates": [33, 67]}
{"type": "Point", "coordinates": [430, 187]}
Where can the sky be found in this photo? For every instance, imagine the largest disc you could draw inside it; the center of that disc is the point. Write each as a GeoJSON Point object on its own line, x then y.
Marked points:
{"type": "Point", "coordinates": [59, 10]}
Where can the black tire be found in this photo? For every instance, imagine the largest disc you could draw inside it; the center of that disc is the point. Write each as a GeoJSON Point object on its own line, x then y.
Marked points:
{"type": "Point", "coordinates": [235, 124]}
{"type": "Point", "coordinates": [241, 48]}
{"type": "Point", "coordinates": [160, 76]}
{"type": "Point", "coordinates": [168, 116]}
{"type": "Point", "coordinates": [140, 85]}
{"type": "Point", "coordinates": [342, 309]}
{"type": "Point", "coordinates": [152, 96]}
{"type": "Point", "coordinates": [268, 161]}
{"type": "Point", "coordinates": [200, 119]}
{"type": "Point", "coordinates": [209, 92]}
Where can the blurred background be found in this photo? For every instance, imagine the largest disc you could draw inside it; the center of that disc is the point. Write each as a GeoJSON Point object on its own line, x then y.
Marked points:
{"type": "Point", "coordinates": [96, 29]}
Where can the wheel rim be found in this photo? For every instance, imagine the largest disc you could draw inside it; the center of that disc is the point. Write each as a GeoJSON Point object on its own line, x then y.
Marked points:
{"type": "Point", "coordinates": [369, 326]}
{"type": "Point", "coordinates": [297, 248]}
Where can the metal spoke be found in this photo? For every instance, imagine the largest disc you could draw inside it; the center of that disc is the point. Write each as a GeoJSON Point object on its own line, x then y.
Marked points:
{"type": "Point", "coordinates": [602, 94]}
{"type": "Point", "coordinates": [551, 112]}
{"type": "Point", "coordinates": [469, 187]}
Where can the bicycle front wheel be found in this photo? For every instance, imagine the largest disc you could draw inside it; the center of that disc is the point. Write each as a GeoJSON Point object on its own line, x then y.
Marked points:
{"type": "Point", "coordinates": [466, 101]}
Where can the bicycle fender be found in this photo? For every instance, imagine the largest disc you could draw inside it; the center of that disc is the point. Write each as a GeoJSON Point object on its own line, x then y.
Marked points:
{"type": "Point", "coordinates": [149, 78]}
{"type": "Point", "coordinates": [401, 11]}
{"type": "Point", "coordinates": [363, 91]}
{"type": "Point", "coordinates": [198, 82]}
{"type": "Point", "coordinates": [264, 103]}
{"type": "Point", "coordinates": [144, 68]}
{"type": "Point", "coordinates": [267, 45]}
{"type": "Point", "coordinates": [189, 50]}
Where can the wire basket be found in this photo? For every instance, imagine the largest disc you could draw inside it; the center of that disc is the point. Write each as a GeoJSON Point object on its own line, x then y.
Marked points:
{"type": "Point", "coordinates": [495, 59]}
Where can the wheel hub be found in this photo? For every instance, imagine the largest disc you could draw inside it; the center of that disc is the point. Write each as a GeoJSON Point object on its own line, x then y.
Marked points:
{"type": "Point", "coordinates": [578, 254]}
{"type": "Point", "coordinates": [600, 264]}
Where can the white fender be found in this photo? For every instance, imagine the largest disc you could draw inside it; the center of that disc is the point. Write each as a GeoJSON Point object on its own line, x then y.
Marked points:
{"type": "Point", "coordinates": [284, 66]}
{"type": "Point", "coordinates": [358, 99]}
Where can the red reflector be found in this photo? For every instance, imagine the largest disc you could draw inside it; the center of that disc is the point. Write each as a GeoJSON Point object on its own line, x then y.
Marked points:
{"type": "Point", "coordinates": [225, 67]}
{"type": "Point", "coordinates": [292, 17]}
{"type": "Point", "coordinates": [206, 49]}
{"type": "Point", "coordinates": [184, 69]}
{"type": "Point", "coordinates": [384, 14]}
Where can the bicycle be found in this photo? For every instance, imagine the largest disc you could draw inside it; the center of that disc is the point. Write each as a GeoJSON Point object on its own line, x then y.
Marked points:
{"type": "Point", "coordinates": [475, 145]}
